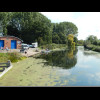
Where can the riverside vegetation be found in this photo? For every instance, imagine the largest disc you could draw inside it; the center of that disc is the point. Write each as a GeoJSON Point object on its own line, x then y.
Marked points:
{"type": "Point", "coordinates": [92, 43]}
{"type": "Point", "coordinates": [13, 57]}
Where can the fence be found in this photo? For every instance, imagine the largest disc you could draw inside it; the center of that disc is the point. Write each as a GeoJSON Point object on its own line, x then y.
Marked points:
{"type": "Point", "coordinates": [5, 65]}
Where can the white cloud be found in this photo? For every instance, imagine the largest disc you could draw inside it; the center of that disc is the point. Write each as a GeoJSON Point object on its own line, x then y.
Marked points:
{"type": "Point", "coordinates": [64, 72]}
{"type": "Point", "coordinates": [95, 76]}
{"type": "Point", "coordinates": [88, 23]}
{"type": "Point", "coordinates": [57, 17]}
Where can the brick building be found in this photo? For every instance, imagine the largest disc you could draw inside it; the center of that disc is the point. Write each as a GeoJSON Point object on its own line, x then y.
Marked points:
{"type": "Point", "coordinates": [11, 42]}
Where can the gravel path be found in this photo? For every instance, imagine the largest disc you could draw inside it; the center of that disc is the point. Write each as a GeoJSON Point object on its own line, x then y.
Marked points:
{"type": "Point", "coordinates": [30, 52]}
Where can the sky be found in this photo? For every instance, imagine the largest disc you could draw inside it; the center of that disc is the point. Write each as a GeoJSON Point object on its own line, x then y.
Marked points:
{"type": "Point", "coordinates": [88, 23]}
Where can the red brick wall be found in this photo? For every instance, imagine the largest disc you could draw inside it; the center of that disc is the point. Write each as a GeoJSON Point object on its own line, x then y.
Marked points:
{"type": "Point", "coordinates": [7, 42]}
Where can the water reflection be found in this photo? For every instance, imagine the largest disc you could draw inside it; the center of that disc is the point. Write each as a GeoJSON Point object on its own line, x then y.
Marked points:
{"type": "Point", "coordinates": [87, 53]}
{"type": "Point", "coordinates": [91, 53]}
{"type": "Point", "coordinates": [65, 59]}
{"type": "Point", "coordinates": [84, 67]}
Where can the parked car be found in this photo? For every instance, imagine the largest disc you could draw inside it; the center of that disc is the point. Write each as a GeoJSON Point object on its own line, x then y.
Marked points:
{"type": "Point", "coordinates": [22, 50]}
{"type": "Point", "coordinates": [25, 46]}
{"type": "Point", "coordinates": [30, 46]}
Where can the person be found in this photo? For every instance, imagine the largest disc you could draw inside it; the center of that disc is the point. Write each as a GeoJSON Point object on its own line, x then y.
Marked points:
{"type": "Point", "coordinates": [7, 48]}
{"type": "Point", "coordinates": [42, 48]}
{"type": "Point", "coordinates": [47, 49]}
{"type": "Point", "coordinates": [25, 52]}
{"type": "Point", "coordinates": [1, 48]}
{"type": "Point", "coordinates": [36, 50]}
{"type": "Point", "coordinates": [42, 51]}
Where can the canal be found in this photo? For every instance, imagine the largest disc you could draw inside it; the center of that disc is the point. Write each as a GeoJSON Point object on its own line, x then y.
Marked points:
{"type": "Point", "coordinates": [78, 67]}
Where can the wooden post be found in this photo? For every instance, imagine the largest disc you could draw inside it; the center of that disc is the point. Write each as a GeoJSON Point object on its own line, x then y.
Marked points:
{"type": "Point", "coordinates": [8, 63]}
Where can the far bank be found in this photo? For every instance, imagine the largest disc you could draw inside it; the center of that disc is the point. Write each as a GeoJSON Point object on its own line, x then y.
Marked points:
{"type": "Point", "coordinates": [92, 47]}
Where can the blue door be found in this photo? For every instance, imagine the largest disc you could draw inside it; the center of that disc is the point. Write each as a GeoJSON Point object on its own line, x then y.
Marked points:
{"type": "Point", "coordinates": [13, 44]}
{"type": "Point", "coordinates": [1, 43]}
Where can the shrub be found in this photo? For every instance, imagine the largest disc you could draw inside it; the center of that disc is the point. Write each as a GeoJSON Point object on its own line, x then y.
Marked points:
{"type": "Point", "coordinates": [14, 56]}
{"type": "Point", "coordinates": [53, 46]}
{"type": "Point", "coordinates": [3, 57]}
{"type": "Point", "coordinates": [93, 48]}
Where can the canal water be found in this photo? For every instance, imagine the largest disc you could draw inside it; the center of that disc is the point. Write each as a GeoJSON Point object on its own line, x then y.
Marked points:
{"type": "Point", "coordinates": [74, 67]}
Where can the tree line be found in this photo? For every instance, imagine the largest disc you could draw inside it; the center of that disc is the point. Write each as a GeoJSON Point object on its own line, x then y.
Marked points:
{"type": "Point", "coordinates": [92, 40]}
{"type": "Point", "coordinates": [92, 43]}
{"type": "Point", "coordinates": [34, 26]}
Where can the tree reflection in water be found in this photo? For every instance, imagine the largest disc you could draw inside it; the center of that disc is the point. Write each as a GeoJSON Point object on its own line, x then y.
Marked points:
{"type": "Point", "coordinates": [64, 58]}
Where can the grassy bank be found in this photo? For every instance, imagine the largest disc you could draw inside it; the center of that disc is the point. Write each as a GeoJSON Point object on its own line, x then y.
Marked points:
{"type": "Point", "coordinates": [30, 72]}
{"type": "Point", "coordinates": [93, 47]}
{"type": "Point", "coordinates": [13, 57]}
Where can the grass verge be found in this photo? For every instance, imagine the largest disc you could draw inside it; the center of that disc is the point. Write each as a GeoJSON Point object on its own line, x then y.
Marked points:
{"type": "Point", "coordinates": [13, 57]}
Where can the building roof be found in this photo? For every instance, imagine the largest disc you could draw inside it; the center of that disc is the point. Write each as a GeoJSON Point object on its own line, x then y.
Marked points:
{"type": "Point", "coordinates": [12, 36]}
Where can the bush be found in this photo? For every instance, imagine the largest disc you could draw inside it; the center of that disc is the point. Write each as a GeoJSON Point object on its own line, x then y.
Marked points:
{"type": "Point", "coordinates": [14, 57]}
{"type": "Point", "coordinates": [93, 48]}
{"type": "Point", "coordinates": [3, 57]}
{"type": "Point", "coordinates": [53, 46]}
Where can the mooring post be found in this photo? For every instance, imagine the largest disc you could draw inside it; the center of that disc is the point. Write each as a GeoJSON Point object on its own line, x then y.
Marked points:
{"type": "Point", "coordinates": [8, 63]}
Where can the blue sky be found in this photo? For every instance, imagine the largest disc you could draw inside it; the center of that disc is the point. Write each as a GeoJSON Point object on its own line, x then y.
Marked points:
{"type": "Point", "coordinates": [88, 23]}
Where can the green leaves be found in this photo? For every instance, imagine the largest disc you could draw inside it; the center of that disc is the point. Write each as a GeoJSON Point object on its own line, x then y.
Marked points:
{"type": "Point", "coordinates": [28, 26]}
{"type": "Point", "coordinates": [4, 21]}
{"type": "Point", "coordinates": [62, 30]}
{"type": "Point", "coordinates": [32, 26]}
{"type": "Point", "coordinates": [70, 40]}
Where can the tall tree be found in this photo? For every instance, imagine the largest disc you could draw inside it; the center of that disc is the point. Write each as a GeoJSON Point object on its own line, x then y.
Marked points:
{"type": "Point", "coordinates": [31, 26]}
{"type": "Point", "coordinates": [4, 20]}
{"type": "Point", "coordinates": [63, 29]}
{"type": "Point", "coordinates": [71, 42]}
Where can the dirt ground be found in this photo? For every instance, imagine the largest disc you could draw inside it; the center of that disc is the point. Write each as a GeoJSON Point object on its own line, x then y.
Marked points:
{"type": "Point", "coordinates": [30, 51]}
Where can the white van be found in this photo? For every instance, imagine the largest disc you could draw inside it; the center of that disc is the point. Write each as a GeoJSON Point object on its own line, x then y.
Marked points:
{"type": "Point", "coordinates": [35, 45]}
